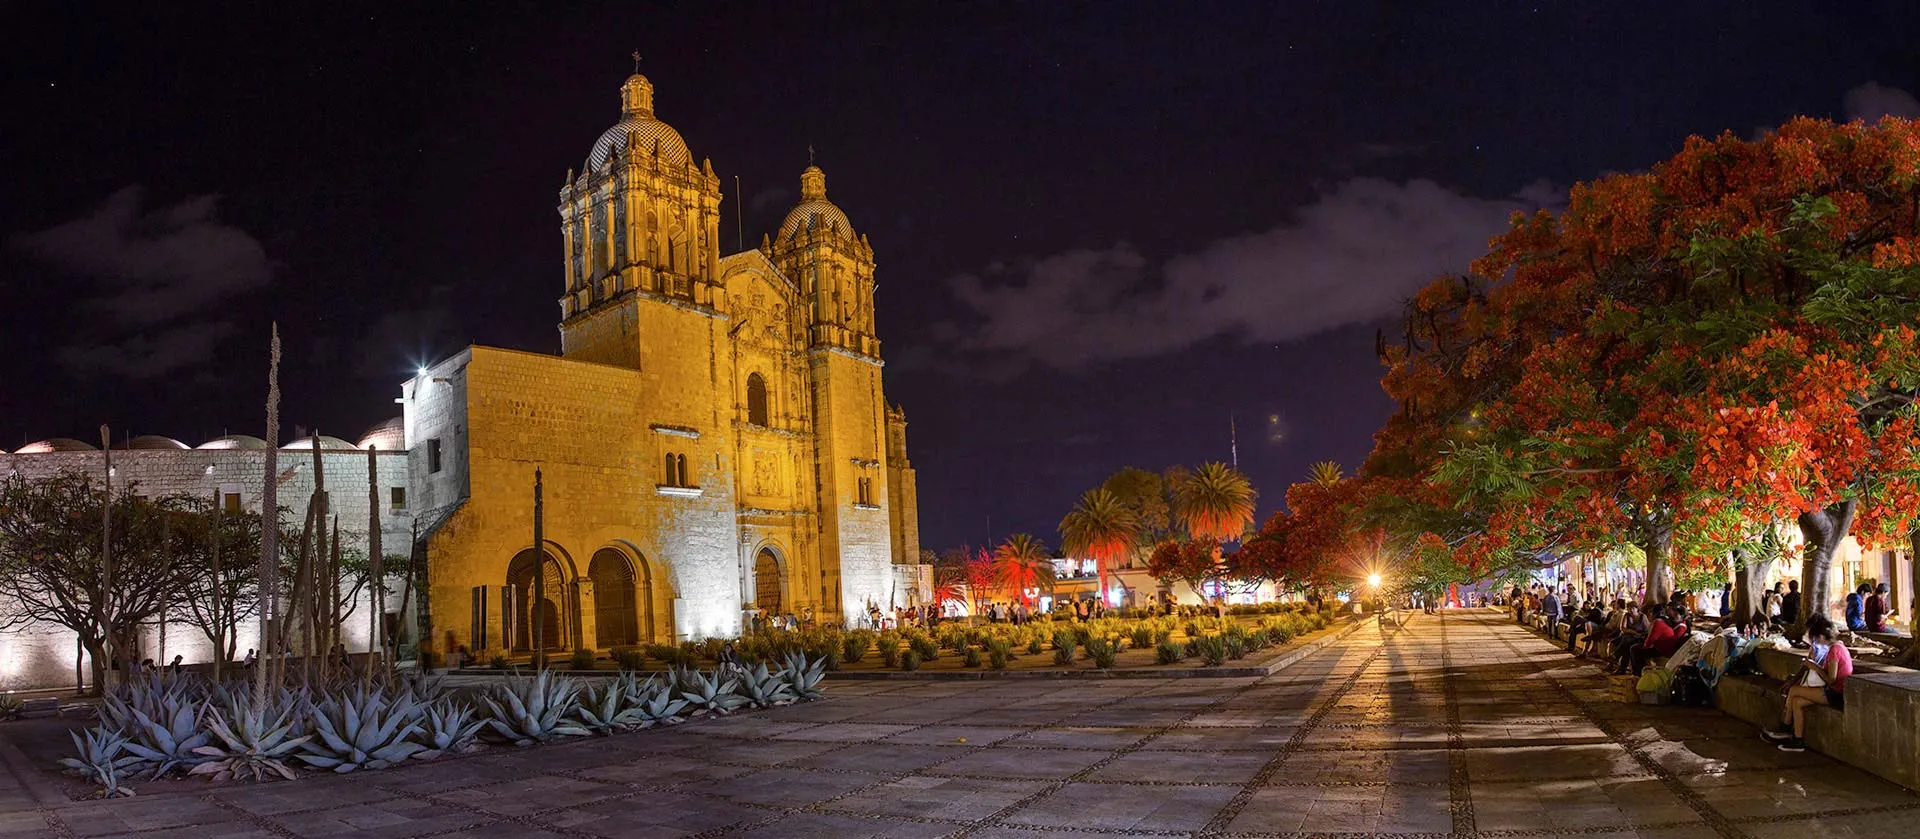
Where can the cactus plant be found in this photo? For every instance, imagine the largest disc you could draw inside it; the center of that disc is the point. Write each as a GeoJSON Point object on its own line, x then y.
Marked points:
{"type": "Point", "coordinates": [169, 741]}
{"type": "Point", "coordinates": [803, 677]}
{"type": "Point", "coordinates": [528, 711]}
{"type": "Point", "coordinates": [607, 709]}
{"type": "Point", "coordinates": [764, 689]}
{"type": "Point", "coordinates": [447, 728]}
{"type": "Point", "coordinates": [656, 702]}
{"type": "Point", "coordinates": [710, 694]}
{"type": "Point", "coordinates": [363, 729]}
{"type": "Point", "coordinates": [254, 744]}
{"type": "Point", "coordinates": [102, 760]}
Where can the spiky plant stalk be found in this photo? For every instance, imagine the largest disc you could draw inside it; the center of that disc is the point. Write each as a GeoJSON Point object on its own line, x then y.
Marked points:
{"type": "Point", "coordinates": [266, 586]}
{"type": "Point", "coordinates": [102, 606]}
{"type": "Point", "coordinates": [377, 569]}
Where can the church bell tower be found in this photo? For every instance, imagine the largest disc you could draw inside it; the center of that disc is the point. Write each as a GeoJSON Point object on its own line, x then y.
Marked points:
{"type": "Point", "coordinates": [639, 221]}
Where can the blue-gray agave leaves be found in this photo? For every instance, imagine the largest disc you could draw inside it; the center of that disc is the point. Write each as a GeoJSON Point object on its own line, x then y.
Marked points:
{"type": "Point", "coordinates": [168, 741]}
{"type": "Point", "coordinates": [254, 745]}
{"type": "Point", "coordinates": [656, 703]}
{"type": "Point", "coordinates": [363, 729]}
{"type": "Point", "coordinates": [763, 689]}
{"type": "Point", "coordinates": [803, 678]}
{"type": "Point", "coordinates": [710, 693]}
{"type": "Point", "coordinates": [524, 712]}
{"type": "Point", "coordinates": [608, 708]}
{"type": "Point", "coordinates": [102, 760]}
{"type": "Point", "coordinates": [449, 728]}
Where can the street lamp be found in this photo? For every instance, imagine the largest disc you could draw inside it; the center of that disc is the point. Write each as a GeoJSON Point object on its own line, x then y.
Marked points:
{"type": "Point", "coordinates": [1373, 580]}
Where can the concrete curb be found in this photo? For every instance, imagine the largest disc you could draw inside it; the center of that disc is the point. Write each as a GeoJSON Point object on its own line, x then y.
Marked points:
{"type": "Point", "coordinates": [1278, 663]}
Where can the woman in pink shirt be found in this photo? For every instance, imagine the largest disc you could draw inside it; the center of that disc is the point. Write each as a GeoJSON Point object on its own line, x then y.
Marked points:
{"type": "Point", "coordinates": [1822, 681]}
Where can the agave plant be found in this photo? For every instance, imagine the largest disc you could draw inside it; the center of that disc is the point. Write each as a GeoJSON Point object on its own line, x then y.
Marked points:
{"type": "Point", "coordinates": [656, 703]}
{"type": "Point", "coordinates": [607, 709]}
{"type": "Point", "coordinates": [763, 689]}
{"type": "Point", "coordinates": [528, 711]}
{"type": "Point", "coordinates": [448, 728]}
{"type": "Point", "coordinates": [710, 693]}
{"type": "Point", "coordinates": [363, 729]}
{"type": "Point", "coordinates": [803, 678]}
{"type": "Point", "coordinates": [168, 741]}
{"type": "Point", "coordinates": [254, 745]}
{"type": "Point", "coordinates": [103, 760]}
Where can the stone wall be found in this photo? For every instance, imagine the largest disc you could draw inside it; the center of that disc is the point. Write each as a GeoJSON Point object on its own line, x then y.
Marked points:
{"type": "Point", "coordinates": [41, 655]}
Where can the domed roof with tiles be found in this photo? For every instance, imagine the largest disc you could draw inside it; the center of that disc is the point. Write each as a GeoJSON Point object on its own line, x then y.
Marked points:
{"type": "Point", "coordinates": [815, 212]}
{"type": "Point", "coordinates": [637, 125]}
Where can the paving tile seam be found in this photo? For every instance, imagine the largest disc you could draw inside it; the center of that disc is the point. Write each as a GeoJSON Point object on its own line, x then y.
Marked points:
{"type": "Point", "coordinates": [823, 806]}
{"type": "Point", "coordinates": [998, 818]}
{"type": "Point", "coordinates": [1459, 782]}
{"type": "Point", "coordinates": [259, 821]}
{"type": "Point", "coordinates": [1693, 799]}
{"type": "Point", "coordinates": [1227, 814]}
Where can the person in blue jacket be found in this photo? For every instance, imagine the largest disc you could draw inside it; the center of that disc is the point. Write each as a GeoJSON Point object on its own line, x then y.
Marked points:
{"type": "Point", "coordinates": [1857, 607]}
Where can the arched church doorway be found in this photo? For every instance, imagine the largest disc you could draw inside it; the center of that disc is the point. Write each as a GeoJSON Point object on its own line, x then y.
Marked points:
{"type": "Point", "coordinates": [616, 616]}
{"type": "Point", "coordinates": [766, 582]}
{"type": "Point", "coordinates": [550, 614]}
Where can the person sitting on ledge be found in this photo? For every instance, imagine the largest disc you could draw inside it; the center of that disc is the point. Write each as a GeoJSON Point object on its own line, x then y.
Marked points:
{"type": "Point", "coordinates": [1822, 680]}
{"type": "Point", "coordinates": [1663, 638]}
{"type": "Point", "coordinates": [1633, 631]}
{"type": "Point", "coordinates": [1857, 607]}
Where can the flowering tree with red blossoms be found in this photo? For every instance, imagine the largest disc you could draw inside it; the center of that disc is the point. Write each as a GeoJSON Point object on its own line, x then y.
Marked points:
{"type": "Point", "coordinates": [1685, 360]}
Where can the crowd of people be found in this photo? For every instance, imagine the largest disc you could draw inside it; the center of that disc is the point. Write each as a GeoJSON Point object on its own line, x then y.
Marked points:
{"type": "Point", "coordinates": [1628, 635]}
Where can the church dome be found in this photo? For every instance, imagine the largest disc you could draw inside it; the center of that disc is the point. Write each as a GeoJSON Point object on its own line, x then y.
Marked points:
{"type": "Point", "coordinates": [326, 444]}
{"type": "Point", "coordinates": [56, 444]}
{"type": "Point", "coordinates": [389, 436]}
{"type": "Point", "coordinates": [235, 441]}
{"type": "Point", "coordinates": [815, 212]}
{"type": "Point", "coordinates": [638, 126]}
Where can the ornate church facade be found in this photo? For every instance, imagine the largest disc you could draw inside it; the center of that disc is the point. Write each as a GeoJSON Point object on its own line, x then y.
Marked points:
{"type": "Point", "coordinates": [713, 439]}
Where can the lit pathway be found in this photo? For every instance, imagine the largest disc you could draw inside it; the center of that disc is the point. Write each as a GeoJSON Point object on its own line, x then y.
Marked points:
{"type": "Point", "coordinates": [1465, 725]}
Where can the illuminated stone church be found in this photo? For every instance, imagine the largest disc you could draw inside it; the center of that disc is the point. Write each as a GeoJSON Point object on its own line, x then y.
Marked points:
{"type": "Point", "coordinates": [713, 438]}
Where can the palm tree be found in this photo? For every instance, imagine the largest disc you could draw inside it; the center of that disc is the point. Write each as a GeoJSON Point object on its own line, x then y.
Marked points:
{"type": "Point", "coordinates": [1215, 502]}
{"type": "Point", "coordinates": [1022, 563]}
{"type": "Point", "coordinates": [1325, 473]}
{"type": "Point", "coordinates": [1103, 527]}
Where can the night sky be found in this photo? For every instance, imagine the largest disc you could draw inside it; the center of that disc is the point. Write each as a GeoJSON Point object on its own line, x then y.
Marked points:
{"type": "Point", "coordinates": [1101, 229]}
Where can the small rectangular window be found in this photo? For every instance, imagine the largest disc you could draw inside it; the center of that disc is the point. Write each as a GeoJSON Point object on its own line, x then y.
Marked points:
{"type": "Point", "coordinates": [433, 455]}
{"type": "Point", "coordinates": [399, 498]}
{"type": "Point", "coordinates": [230, 502]}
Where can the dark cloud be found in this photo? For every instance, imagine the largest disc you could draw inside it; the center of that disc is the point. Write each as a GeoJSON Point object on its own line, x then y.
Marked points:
{"type": "Point", "coordinates": [1350, 257]}
{"type": "Point", "coordinates": [778, 197]}
{"type": "Point", "coordinates": [155, 281]}
{"type": "Point", "coordinates": [1873, 100]}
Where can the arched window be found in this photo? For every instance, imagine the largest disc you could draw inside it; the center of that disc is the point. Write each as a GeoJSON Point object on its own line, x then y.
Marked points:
{"type": "Point", "coordinates": [681, 460]}
{"type": "Point", "coordinates": [756, 400]}
{"type": "Point", "coordinates": [671, 475]}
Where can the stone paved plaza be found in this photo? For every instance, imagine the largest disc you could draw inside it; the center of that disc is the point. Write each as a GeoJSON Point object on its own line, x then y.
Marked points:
{"type": "Point", "coordinates": [1457, 725]}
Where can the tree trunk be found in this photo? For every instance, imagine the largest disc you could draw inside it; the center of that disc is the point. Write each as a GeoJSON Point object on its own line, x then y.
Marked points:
{"type": "Point", "coordinates": [1822, 530]}
{"type": "Point", "coordinates": [97, 653]}
{"type": "Point", "coordinates": [1749, 590]}
{"type": "Point", "coordinates": [1656, 546]}
{"type": "Point", "coordinates": [1911, 658]}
